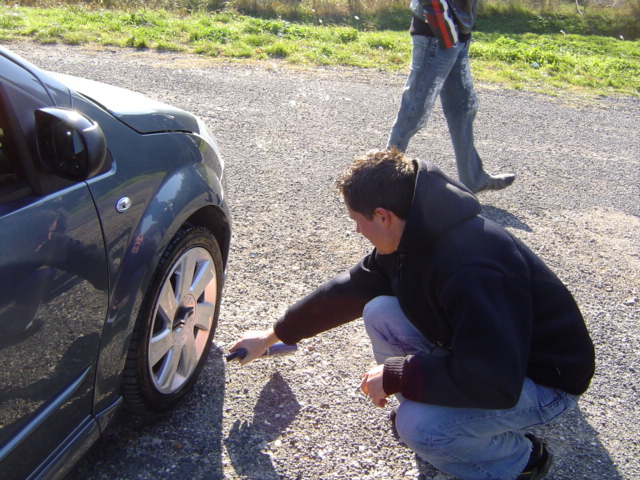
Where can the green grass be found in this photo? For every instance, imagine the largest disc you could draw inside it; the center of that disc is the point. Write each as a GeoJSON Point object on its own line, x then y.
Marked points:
{"type": "Point", "coordinates": [524, 51]}
{"type": "Point", "coordinates": [592, 64]}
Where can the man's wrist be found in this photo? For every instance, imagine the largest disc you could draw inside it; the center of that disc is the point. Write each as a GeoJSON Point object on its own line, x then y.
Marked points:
{"type": "Point", "coordinates": [269, 338]}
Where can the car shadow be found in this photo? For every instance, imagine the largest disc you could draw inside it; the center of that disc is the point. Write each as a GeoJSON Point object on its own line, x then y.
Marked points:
{"type": "Point", "coordinates": [577, 452]}
{"type": "Point", "coordinates": [185, 443]}
{"type": "Point", "coordinates": [188, 442]}
{"type": "Point", "coordinates": [274, 411]}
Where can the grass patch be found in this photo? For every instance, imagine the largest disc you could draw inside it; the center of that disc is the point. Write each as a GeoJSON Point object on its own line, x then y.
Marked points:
{"type": "Point", "coordinates": [591, 63]}
{"type": "Point", "coordinates": [512, 47]}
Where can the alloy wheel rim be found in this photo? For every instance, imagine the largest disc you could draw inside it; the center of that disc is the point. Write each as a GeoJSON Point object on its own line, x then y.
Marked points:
{"type": "Point", "coordinates": [182, 320]}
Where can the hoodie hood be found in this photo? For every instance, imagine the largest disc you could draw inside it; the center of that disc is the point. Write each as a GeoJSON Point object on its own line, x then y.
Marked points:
{"type": "Point", "coordinates": [439, 203]}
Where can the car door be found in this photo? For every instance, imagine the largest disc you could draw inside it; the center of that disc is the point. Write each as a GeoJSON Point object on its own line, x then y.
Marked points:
{"type": "Point", "coordinates": [53, 290]}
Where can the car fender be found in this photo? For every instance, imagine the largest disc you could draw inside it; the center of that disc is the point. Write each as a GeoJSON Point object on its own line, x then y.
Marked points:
{"type": "Point", "coordinates": [182, 196]}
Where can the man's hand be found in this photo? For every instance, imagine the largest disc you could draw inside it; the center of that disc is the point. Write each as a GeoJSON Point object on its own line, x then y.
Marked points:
{"type": "Point", "coordinates": [372, 386]}
{"type": "Point", "coordinates": [256, 343]}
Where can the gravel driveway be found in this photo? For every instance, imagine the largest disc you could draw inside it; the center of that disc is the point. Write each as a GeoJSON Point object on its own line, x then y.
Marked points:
{"type": "Point", "coordinates": [285, 133]}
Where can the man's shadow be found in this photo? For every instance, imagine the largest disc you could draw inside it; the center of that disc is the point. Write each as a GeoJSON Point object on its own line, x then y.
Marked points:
{"type": "Point", "coordinates": [275, 409]}
{"type": "Point", "coordinates": [503, 218]}
{"type": "Point", "coordinates": [577, 452]}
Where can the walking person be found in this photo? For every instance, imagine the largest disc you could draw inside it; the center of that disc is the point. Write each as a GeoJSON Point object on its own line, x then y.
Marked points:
{"type": "Point", "coordinates": [440, 34]}
{"type": "Point", "coordinates": [472, 332]}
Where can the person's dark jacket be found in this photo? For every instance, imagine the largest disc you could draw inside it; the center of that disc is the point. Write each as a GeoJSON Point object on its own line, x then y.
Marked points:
{"type": "Point", "coordinates": [470, 287]}
{"type": "Point", "coordinates": [448, 20]}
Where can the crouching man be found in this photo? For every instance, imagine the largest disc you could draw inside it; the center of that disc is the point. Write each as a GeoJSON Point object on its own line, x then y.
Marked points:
{"type": "Point", "coordinates": [477, 338]}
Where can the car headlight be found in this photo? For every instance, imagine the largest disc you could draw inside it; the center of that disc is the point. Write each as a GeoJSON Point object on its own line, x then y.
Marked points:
{"type": "Point", "coordinates": [206, 134]}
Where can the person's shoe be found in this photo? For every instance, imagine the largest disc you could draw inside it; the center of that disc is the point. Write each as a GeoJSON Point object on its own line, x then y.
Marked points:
{"type": "Point", "coordinates": [539, 461]}
{"type": "Point", "coordinates": [392, 418]}
{"type": "Point", "coordinates": [496, 182]}
{"type": "Point", "coordinates": [394, 430]}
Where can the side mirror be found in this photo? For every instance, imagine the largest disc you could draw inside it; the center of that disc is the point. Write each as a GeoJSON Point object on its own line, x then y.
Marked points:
{"type": "Point", "coordinates": [71, 145]}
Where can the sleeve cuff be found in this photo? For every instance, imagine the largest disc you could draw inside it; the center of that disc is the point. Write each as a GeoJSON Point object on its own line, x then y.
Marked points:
{"type": "Point", "coordinates": [280, 331]}
{"type": "Point", "coordinates": [392, 375]}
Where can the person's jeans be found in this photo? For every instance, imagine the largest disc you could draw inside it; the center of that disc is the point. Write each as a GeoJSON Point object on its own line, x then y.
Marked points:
{"type": "Point", "coordinates": [470, 443]}
{"type": "Point", "coordinates": [446, 73]}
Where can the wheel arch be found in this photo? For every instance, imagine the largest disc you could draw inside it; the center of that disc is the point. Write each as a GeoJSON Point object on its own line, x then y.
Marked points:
{"type": "Point", "coordinates": [217, 221]}
{"type": "Point", "coordinates": [194, 205]}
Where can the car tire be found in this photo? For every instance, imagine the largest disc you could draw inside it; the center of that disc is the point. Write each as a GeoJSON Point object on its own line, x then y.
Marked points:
{"type": "Point", "coordinates": [174, 330]}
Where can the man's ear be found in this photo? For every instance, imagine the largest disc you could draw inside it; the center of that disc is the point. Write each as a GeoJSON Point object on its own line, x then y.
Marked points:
{"type": "Point", "coordinates": [384, 215]}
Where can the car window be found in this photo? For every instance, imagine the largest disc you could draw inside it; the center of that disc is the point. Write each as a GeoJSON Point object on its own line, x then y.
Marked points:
{"type": "Point", "coordinates": [21, 94]}
{"type": "Point", "coordinates": [23, 79]}
{"type": "Point", "coordinates": [9, 170]}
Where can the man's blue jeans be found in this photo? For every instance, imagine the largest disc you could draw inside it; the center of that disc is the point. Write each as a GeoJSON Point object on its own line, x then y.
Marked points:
{"type": "Point", "coordinates": [445, 73]}
{"type": "Point", "coordinates": [469, 443]}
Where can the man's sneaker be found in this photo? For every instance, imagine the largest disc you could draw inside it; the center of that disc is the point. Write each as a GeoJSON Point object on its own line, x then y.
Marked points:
{"type": "Point", "coordinates": [496, 182]}
{"type": "Point", "coordinates": [539, 460]}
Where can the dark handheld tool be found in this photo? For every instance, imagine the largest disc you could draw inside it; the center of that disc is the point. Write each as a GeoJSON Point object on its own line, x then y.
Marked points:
{"type": "Point", "coordinates": [277, 349]}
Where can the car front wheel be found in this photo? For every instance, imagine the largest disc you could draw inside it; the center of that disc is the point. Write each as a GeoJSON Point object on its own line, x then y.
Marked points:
{"type": "Point", "coordinates": [173, 333]}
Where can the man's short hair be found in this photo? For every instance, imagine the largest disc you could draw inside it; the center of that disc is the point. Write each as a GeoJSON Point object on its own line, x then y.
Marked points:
{"type": "Point", "coordinates": [380, 178]}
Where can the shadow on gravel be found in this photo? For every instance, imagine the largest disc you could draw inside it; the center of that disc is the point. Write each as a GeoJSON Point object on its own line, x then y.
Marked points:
{"type": "Point", "coordinates": [577, 452]}
{"type": "Point", "coordinates": [503, 218]}
{"type": "Point", "coordinates": [275, 409]}
{"type": "Point", "coordinates": [186, 443]}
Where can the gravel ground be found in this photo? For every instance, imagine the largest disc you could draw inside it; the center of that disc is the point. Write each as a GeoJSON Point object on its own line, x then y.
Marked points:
{"type": "Point", "coordinates": [285, 133]}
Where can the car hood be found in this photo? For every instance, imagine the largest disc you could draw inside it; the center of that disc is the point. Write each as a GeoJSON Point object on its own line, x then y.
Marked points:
{"type": "Point", "coordinates": [138, 111]}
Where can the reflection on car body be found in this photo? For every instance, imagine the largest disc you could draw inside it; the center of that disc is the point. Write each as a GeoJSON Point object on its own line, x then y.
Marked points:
{"type": "Point", "coordinates": [114, 241]}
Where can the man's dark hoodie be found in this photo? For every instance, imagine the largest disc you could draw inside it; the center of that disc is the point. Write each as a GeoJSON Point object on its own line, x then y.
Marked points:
{"type": "Point", "coordinates": [469, 286]}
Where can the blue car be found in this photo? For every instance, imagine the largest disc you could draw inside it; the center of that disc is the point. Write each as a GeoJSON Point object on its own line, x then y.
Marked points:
{"type": "Point", "coordinates": [114, 239]}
